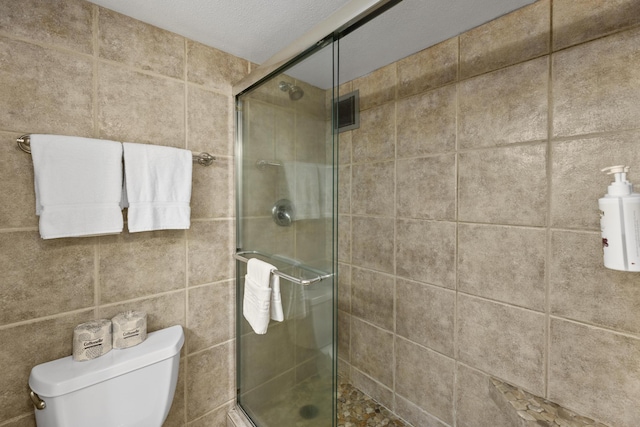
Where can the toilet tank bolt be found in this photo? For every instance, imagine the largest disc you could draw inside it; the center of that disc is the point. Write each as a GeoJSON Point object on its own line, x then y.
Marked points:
{"type": "Point", "coordinates": [37, 402]}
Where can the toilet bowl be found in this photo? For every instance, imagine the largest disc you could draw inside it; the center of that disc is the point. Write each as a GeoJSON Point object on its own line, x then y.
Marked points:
{"type": "Point", "coordinates": [133, 387]}
{"type": "Point", "coordinates": [315, 328]}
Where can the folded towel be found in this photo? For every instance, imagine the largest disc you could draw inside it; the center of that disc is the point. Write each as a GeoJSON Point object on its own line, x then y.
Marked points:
{"type": "Point", "coordinates": [158, 187]}
{"type": "Point", "coordinates": [262, 298]}
{"type": "Point", "coordinates": [78, 185]}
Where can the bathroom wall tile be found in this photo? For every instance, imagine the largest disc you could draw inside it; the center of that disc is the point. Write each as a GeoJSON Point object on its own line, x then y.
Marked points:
{"type": "Point", "coordinates": [425, 251]}
{"type": "Point", "coordinates": [177, 414]}
{"type": "Point", "coordinates": [376, 88]}
{"type": "Point", "coordinates": [503, 263]}
{"type": "Point", "coordinates": [516, 37]}
{"type": "Point", "coordinates": [374, 140]}
{"type": "Point", "coordinates": [372, 388]}
{"type": "Point", "coordinates": [372, 297]}
{"type": "Point", "coordinates": [313, 242]}
{"type": "Point", "coordinates": [268, 356]}
{"type": "Point", "coordinates": [139, 264]}
{"type": "Point", "coordinates": [504, 186]}
{"type": "Point", "coordinates": [502, 340]}
{"type": "Point", "coordinates": [59, 103]}
{"type": "Point", "coordinates": [139, 45]}
{"type": "Point", "coordinates": [26, 421]}
{"type": "Point", "coordinates": [610, 389]}
{"type": "Point", "coordinates": [372, 351]}
{"type": "Point", "coordinates": [31, 344]}
{"type": "Point", "coordinates": [582, 288]}
{"type": "Point", "coordinates": [373, 188]}
{"type": "Point", "coordinates": [426, 315]}
{"type": "Point", "coordinates": [262, 234]}
{"type": "Point", "coordinates": [474, 403]}
{"type": "Point", "coordinates": [16, 185]}
{"type": "Point", "coordinates": [212, 191]}
{"type": "Point", "coordinates": [162, 310]}
{"type": "Point", "coordinates": [425, 378]}
{"type": "Point", "coordinates": [211, 315]}
{"type": "Point", "coordinates": [216, 418]}
{"type": "Point", "coordinates": [506, 106]}
{"type": "Point", "coordinates": [594, 85]}
{"type": "Point", "coordinates": [427, 188]}
{"type": "Point", "coordinates": [209, 122]}
{"type": "Point", "coordinates": [344, 238]}
{"type": "Point", "coordinates": [577, 183]}
{"type": "Point", "coordinates": [344, 189]}
{"type": "Point", "coordinates": [63, 23]}
{"type": "Point", "coordinates": [344, 335]}
{"type": "Point", "coordinates": [426, 123]}
{"type": "Point", "coordinates": [214, 68]}
{"type": "Point", "coordinates": [373, 243]}
{"type": "Point", "coordinates": [415, 415]}
{"type": "Point", "coordinates": [344, 145]}
{"type": "Point", "coordinates": [428, 69]}
{"type": "Point", "coordinates": [210, 248]}
{"type": "Point", "coordinates": [210, 379]}
{"type": "Point", "coordinates": [44, 277]}
{"type": "Point", "coordinates": [344, 287]}
{"type": "Point", "coordinates": [577, 22]}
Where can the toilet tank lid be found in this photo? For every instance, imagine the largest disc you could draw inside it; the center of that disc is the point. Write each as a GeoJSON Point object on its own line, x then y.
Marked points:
{"type": "Point", "coordinates": [65, 375]}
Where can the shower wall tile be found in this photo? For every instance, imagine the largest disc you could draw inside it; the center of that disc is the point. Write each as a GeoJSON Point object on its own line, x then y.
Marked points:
{"type": "Point", "coordinates": [426, 123]}
{"type": "Point", "coordinates": [372, 351]}
{"type": "Point", "coordinates": [16, 185]}
{"type": "Point", "coordinates": [613, 372]}
{"type": "Point", "coordinates": [503, 186]}
{"type": "Point", "coordinates": [372, 241]}
{"type": "Point", "coordinates": [344, 189]}
{"type": "Point", "coordinates": [376, 88]}
{"type": "Point", "coordinates": [516, 37]}
{"type": "Point", "coordinates": [344, 238]}
{"type": "Point", "coordinates": [344, 336]}
{"type": "Point", "coordinates": [581, 288]}
{"type": "Point", "coordinates": [275, 354]}
{"type": "Point", "coordinates": [162, 310]}
{"type": "Point", "coordinates": [372, 297]}
{"type": "Point", "coordinates": [415, 415]}
{"type": "Point", "coordinates": [425, 315]}
{"type": "Point", "coordinates": [428, 69]}
{"type": "Point", "coordinates": [374, 140]}
{"type": "Point", "coordinates": [44, 277]}
{"type": "Point", "coordinates": [425, 378]}
{"type": "Point", "coordinates": [209, 122]}
{"type": "Point", "coordinates": [595, 86]}
{"type": "Point", "coordinates": [577, 22]}
{"type": "Point", "coordinates": [48, 91]}
{"type": "Point", "coordinates": [344, 145]}
{"type": "Point", "coordinates": [488, 265]}
{"type": "Point", "coordinates": [506, 106]}
{"type": "Point", "coordinates": [344, 287]}
{"type": "Point", "coordinates": [139, 45]}
{"type": "Point", "coordinates": [210, 317]}
{"type": "Point", "coordinates": [373, 188]}
{"type": "Point", "coordinates": [425, 251]}
{"type": "Point", "coordinates": [214, 68]}
{"type": "Point", "coordinates": [212, 190]}
{"type": "Point", "coordinates": [502, 340]}
{"type": "Point", "coordinates": [372, 388]}
{"type": "Point", "coordinates": [210, 248]}
{"type": "Point", "coordinates": [427, 188]}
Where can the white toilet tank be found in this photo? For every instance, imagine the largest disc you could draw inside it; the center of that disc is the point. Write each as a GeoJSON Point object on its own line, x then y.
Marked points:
{"type": "Point", "coordinates": [133, 387]}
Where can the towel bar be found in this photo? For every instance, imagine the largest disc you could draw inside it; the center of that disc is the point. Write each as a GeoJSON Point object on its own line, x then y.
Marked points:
{"type": "Point", "coordinates": [204, 159]}
{"type": "Point", "coordinates": [305, 282]}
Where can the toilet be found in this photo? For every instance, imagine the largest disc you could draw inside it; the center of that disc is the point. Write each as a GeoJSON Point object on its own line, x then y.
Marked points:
{"type": "Point", "coordinates": [315, 327]}
{"type": "Point", "coordinates": [133, 387]}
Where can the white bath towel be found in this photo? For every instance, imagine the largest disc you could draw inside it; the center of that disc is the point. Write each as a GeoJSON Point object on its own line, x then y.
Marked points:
{"type": "Point", "coordinates": [305, 189]}
{"type": "Point", "coordinates": [262, 299]}
{"type": "Point", "coordinates": [158, 187]}
{"type": "Point", "coordinates": [78, 185]}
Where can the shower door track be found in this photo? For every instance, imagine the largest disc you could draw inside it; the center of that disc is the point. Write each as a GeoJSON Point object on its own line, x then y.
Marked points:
{"type": "Point", "coordinates": [319, 275]}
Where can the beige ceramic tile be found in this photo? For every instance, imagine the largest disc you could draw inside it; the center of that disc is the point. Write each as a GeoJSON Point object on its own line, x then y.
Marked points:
{"type": "Point", "coordinates": [425, 378]}
{"type": "Point", "coordinates": [139, 45]}
{"type": "Point", "coordinates": [49, 91]}
{"type": "Point", "coordinates": [594, 85]}
{"type": "Point", "coordinates": [503, 186]}
{"type": "Point", "coordinates": [376, 88]}
{"type": "Point", "coordinates": [344, 287]}
{"type": "Point", "coordinates": [136, 107]}
{"type": "Point", "coordinates": [344, 189]}
{"type": "Point", "coordinates": [415, 415]}
{"type": "Point", "coordinates": [211, 318]}
{"type": "Point", "coordinates": [62, 23]}
{"type": "Point", "coordinates": [344, 238]}
{"type": "Point", "coordinates": [162, 310]}
{"type": "Point", "coordinates": [502, 340]}
{"type": "Point", "coordinates": [262, 234]}
{"type": "Point", "coordinates": [503, 107]}
{"type": "Point", "coordinates": [372, 297]}
{"type": "Point", "coordinates": [344, 336]}
{"type": "Point", "coordinates": [372, 351]}
{"type": "Point", "coordinates": [428, 69]}
{"type": "Point", "coordinates": [212, 190]}
{"type": "Point", "coordinates": [577, 182]}
{"type": "Point", "coordinates": [372, 388]}
{"type": "Point", "coordinates": [503, 263]}
{"type": "Point", "coordinates": [373, 188]}
{"type": "Point", "coordinates": [16, 185]}
{"type": "Point", "coordinates": [375, 140]}
{"type": "Point", "coordinates": [373, 243]}
{"type": "Point", "coordinates": [209, 122]}
{"type": "Point", "coordinates": [427, 123]}
{"type": "Point", "coordinates": [512, 38]}
{"type": "Point", "coordinates": [344, 145]}
{"type": "Point", "coordinates": [141, 264]}
{"type": "Point", "coordinates": [578, 21]}
{"type": "Point", "coordinates": [177, 413]}
{"type": "Point", "coordinates": [44, 277]}
{"type": "Point", "coordinates": [210, 251]}
{"type": "Point", "coordinates": [215, 418]}
{"type": "Point", "coordinates": [582, 288]}
{"type": "Point", "coordinates": [26, 421]}
{"type": "Point", "coordinates": [426, 315]}
{"type": "Point", "coordinates": [268, 356]}
{"type": "Point", "coordinates": [425, 251]}
{"type": "Point", "coordinates": [609, 391]}
{"type": "Point", "coordinates": [213, 68]}
{"type": "Point", "coordinates": [427, 188]}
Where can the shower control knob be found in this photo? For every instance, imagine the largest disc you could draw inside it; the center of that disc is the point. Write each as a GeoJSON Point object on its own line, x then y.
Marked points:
{"type": "Point", "coordinates": [282, 213]}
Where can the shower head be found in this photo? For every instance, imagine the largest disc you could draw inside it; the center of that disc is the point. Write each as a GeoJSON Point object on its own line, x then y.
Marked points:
{"type": "Point", "coordinates": [295, 92]}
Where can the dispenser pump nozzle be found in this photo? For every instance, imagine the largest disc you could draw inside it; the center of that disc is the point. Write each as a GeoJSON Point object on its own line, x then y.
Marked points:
{"type": "Point", "coordinates": [619, 187]}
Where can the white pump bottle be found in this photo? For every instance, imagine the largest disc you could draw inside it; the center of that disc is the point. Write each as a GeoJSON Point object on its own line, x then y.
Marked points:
{"type": "Point", "coordinates": [620, 222]}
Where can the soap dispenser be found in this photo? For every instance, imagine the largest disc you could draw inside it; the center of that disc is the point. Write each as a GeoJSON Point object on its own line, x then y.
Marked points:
{"type": "Point", "coordinates": [620, 222]}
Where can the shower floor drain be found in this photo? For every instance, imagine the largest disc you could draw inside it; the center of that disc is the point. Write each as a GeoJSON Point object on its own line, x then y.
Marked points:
{"type": "Point", "coordinates": [309, 411]}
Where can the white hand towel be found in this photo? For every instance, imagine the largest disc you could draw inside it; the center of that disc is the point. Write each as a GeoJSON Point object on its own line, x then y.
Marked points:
{"type": "Point", "coordinates": [262, 299]}
{"type": "Point", "coordinates": [78, 185]}
{"type": "Point", "coordinates": [158, 187]}
{"type": "Point", "coordinates": [305, 189]}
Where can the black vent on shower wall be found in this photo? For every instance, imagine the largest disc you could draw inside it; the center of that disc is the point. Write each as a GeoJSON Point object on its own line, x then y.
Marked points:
{"type": "Point", "coordinates": [346, 112]}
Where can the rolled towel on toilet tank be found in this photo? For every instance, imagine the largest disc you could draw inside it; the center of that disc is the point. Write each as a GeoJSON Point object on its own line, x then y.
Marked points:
{"type": "Point", "coordinates": [129, 329]}
{"type": "Point", "coordinates": [91, 339]}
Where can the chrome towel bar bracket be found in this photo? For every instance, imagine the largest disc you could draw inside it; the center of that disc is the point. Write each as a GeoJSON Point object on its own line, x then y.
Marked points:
{"type": "Point", "coordinates": [240, 256]}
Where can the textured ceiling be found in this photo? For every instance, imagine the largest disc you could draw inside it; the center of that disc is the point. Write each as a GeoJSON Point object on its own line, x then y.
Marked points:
{"type": "Point", "coordinates": [257, 29]}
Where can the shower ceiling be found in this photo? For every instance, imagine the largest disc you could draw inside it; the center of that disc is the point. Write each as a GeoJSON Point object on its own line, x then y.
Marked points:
{"type": "Point", "coordinates": [257, 29]}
